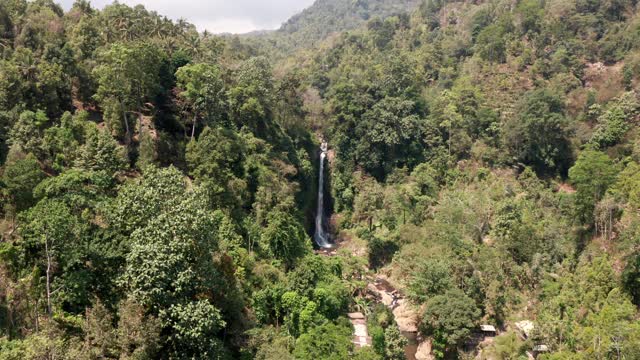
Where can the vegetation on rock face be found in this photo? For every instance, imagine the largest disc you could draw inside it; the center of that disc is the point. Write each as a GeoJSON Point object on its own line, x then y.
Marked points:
{"type": "Point", "coordinates": [158, 185]}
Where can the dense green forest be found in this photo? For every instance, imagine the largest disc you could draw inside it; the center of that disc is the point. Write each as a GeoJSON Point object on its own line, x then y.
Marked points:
{"type": "Point", "coordinates": [158, 185]}
{"type": "Point", "coordinates": [323, 19]}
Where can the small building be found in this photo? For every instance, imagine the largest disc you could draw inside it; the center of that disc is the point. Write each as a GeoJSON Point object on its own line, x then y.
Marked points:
{"type": "Point", "coordinates": [539, 349]}
{"type": "Point", "coordinates": [488, 330]}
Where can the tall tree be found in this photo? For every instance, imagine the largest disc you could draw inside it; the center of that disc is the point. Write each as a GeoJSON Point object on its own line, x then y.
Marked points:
{"type": "Point", "coordinates": [203, 91]}
{"type": "Point", "coordinates": [539, 135]}
{"type": "Point", "coordinates": [130, 74]}
{"type": "Point", "coordinates": [592, 175]}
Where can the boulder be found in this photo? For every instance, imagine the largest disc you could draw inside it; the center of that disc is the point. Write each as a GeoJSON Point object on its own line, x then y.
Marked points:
{"type": "Point", "coordinates": [406, 316]}
{"type": "Point", "coordinates": [424, 351]}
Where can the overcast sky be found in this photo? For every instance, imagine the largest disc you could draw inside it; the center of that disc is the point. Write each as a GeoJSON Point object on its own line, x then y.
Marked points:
{"type": "Point", "coordinates": [217, 16]}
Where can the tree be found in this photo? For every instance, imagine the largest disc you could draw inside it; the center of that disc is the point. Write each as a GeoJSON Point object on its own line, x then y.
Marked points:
{"type": "Point", "coordinates": [366, 353]}
{"type": "Point", "coordinates": [368, 201]}
{"type": "Point", "coordinates": [592, 175]}
{"type": "Point", "coordinates": [165, 266]}
{"type": "Point", "coordinates": [130, 74]}
{"type": "Point", "coordinates": [324, 342]}
{"type": "Point", "coordinates": [508, 347]}
{"type": "Point", "coordinates": [631, 277]}
{"type": "Point", "coordinates": [539, 135]}
{"type": "Point", "coordinates": [138, 334]}
{"type": "Point", "coordinates": [27, 133]}
{"type": "Point", "coordinates": [431, 277]}
{"type": "Point", "coordinates": [170, 271]}
{"type": "Point", "coordinates": [388, 136]}
{"type": "Point", "coordinates": [285, 238]}
{"type": "Point", "coordinates": [101, 153]}
{"type": "Point", "coordinates": [216, 161]}
{"type": "Point", "coordinates": [394, 343]}
{"type": "Point", "coordinates": [449, 319]}
{"type": "Point", "coordinates": [51, 228]}
{"type": "Point", "coordinates": [250, 100]}
{"type": "Point", "coordinates": [20, 178]}
{"type": "Point", "coordinates": [145, 198]}
{"type": "Point", "coordinates": [531, 14]}
{"type": "Point", "coordinates": [203, 91]}
{"type": "Point", "coordinates": [491, 43]}
{"type": "Point", "coordinates": [613, 124]}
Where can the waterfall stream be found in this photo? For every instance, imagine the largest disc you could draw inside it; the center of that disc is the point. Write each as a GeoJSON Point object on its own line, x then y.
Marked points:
{"type": "Point", "coordinates": [321, 237]}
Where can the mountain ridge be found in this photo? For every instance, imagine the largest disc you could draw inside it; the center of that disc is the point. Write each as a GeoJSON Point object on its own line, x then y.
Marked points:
{"type": "Point", "coordinates": [325, 17]}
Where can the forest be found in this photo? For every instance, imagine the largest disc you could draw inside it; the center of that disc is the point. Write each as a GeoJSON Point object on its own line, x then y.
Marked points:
{"type": "Point", "coordinates": [158, 185]}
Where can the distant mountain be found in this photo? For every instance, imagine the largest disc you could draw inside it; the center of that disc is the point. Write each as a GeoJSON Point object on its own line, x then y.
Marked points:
{"type": "Point", "coordinates": [325, 17]}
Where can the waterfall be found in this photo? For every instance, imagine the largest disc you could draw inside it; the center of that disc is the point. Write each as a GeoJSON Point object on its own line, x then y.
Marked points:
{"type": "Point", "coordinates": [321, 237]}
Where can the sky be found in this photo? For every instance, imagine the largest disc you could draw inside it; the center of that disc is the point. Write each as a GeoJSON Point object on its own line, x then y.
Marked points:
{"type": "Point", "coordinates": [219, 16]}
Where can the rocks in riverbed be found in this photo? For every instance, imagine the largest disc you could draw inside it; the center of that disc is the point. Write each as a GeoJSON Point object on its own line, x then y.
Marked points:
{"type": "Point", "coordinates": [424, 351]}
{"type": "Point", "coordinates": [406, 316]}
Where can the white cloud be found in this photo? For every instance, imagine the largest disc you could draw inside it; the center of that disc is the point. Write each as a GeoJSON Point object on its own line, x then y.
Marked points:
{"type": "Point", "coordinates": [235, 16]}
{"type": "Point", "coordinates": [233, 26]}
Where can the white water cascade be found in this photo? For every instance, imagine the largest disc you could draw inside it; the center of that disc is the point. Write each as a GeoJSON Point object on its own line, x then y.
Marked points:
{"type": "Point", "coordinates": [321, 237]}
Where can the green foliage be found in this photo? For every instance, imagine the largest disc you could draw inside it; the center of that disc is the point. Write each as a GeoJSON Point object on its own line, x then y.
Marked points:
{"type": "Point", "coordinates": [432, 277]}
{"type": "Point", "coordinates": [394, 343]}
{"type": "Point", "coordinates": [216, 160]}
{"type": "Point", "coordinates": [387, 134]}
{"type": "Point", "coordinates": [439, 122]}
{"type": "Point", "coordinates": [285, 239]}
{"type": "Point", "coordinates": [27, 132]}
{"type": "Point", "coordinates": [592, 175]}
{"type": "Point", "coordinates": [251, 99]}
{"type": "Point", "coordinates": [328, 341]}
{"type": "Point", "coordinates": [170, 271]}
{"type": "Point", "coordinates": [492, 40]}
{"type": "Point", "coordinates": [531, 13]}
{"type": "Point", "coordinates": [614, 123]}
{"type": "Point", "coordinates": [508, 346]}
{"type": "Point", "coordinates": [101, 153]}
{"type": "Point", "coordinates": [145, 198]}
{"type": "Point", "coordinates": [195, 325]}
{"type": "Point", "coordinates": [165, 266]}
{"type": "Point", "coordinates": [450, 318]}
{"type": "Point", "coordinates": [203, 91]}
{"type": "Point", "coordinates": [539, 135]}
{"type": "Point", "coordinates": [606, 313]}
{"type": "Point", "coordinates": [20, 177]}
{"type": "Point", "coordinates": [631, 277]}
{"type": "Point", "coordinates": [130, 75]}
{"type": "Point", "coordinates": [366, 353]}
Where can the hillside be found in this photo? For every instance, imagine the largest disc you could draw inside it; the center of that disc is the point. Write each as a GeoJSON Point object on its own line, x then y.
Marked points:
{"type": "Point", "coordinates": [326, 17]}
{"type": "Point", "coordinates": [160, 189]}
{"type": "Point", "coordinates": [484, 154]}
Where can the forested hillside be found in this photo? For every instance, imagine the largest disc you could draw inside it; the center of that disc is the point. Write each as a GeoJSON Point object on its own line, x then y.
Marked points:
{"type": "Point", "coordinates": [333, 16]}
{"type": "Point", "coordinates": [321, 20]}
{"type": "Point", "coordinates": [158, 185]}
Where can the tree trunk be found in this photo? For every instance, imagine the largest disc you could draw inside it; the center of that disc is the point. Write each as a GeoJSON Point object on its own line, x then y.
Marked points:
{"type": "Point", "coordinates": [193, 129]}
{"type": "Point", "coordinates": [36, 316]}
{"type": "Point", "coordinates": [126, 123]}
{"type": "Point", "coordinates": [46, 244]}
{"type": "Point", "coordinates": [139, 125]}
